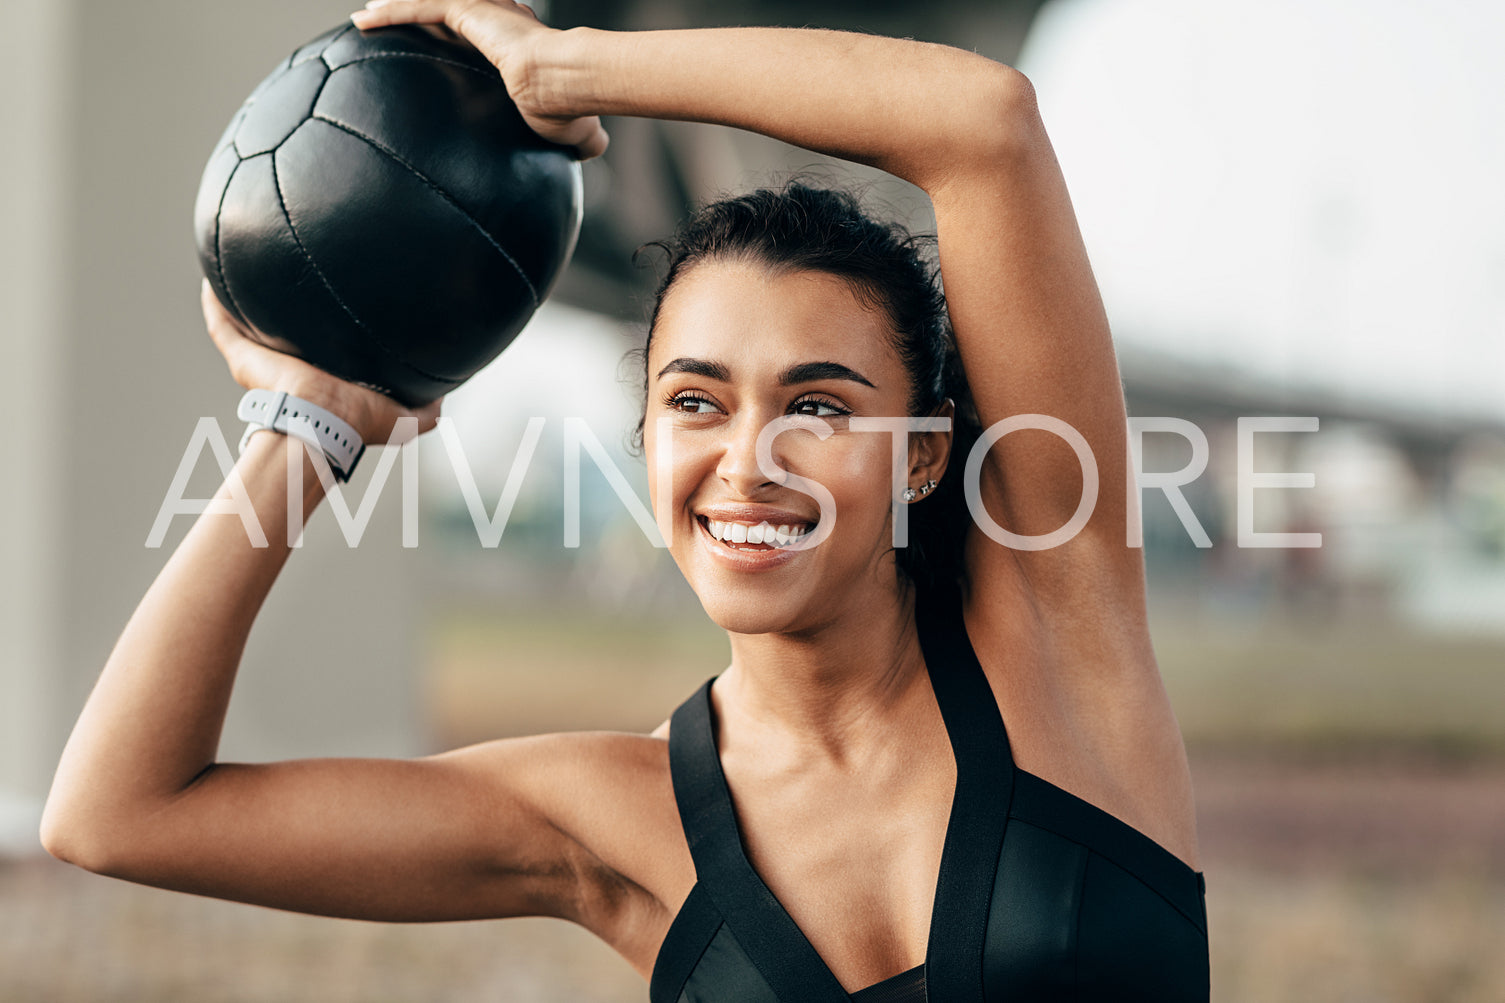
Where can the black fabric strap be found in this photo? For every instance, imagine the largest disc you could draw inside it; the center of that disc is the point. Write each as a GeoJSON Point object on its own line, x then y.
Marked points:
{"type": "Point", "coordinates": [953, 969]}
{"type": "Point", "coordinates": [1041, 803]}
{"type": "Point", "coordinates": [777, 947]}
{"type": "Point", "coordinates": [979, 810]}
{"type": "Point", "coordinates": [906, 987]}
{"type": "Point", "coordinates": [689, 935]}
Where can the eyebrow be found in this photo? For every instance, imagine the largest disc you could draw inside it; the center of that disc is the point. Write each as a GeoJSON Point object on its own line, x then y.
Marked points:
{"type": "Point", "coordinates": [804, 372]}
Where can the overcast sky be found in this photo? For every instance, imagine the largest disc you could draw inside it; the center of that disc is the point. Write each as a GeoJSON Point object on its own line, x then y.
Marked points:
{"type": "Point", "coordinates": [1312, 189]}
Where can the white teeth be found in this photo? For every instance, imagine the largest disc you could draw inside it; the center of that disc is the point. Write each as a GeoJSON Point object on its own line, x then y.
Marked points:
{"type": "Point", "coordinates": [764, 533]}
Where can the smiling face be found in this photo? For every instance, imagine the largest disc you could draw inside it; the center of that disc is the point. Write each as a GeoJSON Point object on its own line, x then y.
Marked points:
{"type": "Point", "coordinates": [737, 346]}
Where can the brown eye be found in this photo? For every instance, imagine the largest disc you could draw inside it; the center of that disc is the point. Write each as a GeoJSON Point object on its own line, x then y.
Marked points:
{"type": "Point", "coordinates": [692, 404]}
{"type": "Point", "coordinates": [818, 408]}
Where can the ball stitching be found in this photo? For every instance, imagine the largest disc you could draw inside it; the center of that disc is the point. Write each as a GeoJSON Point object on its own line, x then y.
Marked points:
{"type": "Point", "coordinates": [329, 287]}
{"type": "Point", "coordinates": [381, 147]}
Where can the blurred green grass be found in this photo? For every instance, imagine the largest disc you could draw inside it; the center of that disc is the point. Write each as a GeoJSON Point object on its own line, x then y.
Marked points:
{"type": "Point", "coordinates": [1326, 689]}
{"type": "Point", "coordinates": [1290, 685]}
{"type": "Point", "coordinates": [498, 673]}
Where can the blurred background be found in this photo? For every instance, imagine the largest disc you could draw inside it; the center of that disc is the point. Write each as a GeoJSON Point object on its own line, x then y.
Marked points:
{"type": "Point", "coordinates": [1293, 209]}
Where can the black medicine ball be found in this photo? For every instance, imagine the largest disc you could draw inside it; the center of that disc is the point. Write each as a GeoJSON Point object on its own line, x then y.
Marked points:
{"type": "Point", "coordinates": [379, 208]}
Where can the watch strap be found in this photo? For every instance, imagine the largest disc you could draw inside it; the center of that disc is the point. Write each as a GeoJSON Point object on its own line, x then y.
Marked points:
{"type": "Point", "coordinates": [280, 411]}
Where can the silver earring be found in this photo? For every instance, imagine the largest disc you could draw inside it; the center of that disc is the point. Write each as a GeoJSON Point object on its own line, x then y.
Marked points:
{"type": "Point", "coordinates": [910, 494]}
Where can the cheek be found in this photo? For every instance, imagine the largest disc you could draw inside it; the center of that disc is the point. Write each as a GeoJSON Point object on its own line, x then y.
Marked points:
{"type": "Point", "coordinates": [668, 477]}
{"type": "Point", "coordinates": [677, 464]}
{"type": "Point", "coordinates": [857, 468]}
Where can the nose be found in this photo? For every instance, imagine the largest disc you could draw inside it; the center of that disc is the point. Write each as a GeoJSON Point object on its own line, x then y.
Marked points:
{"type": "Point", "coordinates": [738, 467]}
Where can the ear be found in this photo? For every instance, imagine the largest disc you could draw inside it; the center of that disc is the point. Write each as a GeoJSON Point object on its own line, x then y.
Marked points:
{"type": "Point", "coordinates": [929, 452]}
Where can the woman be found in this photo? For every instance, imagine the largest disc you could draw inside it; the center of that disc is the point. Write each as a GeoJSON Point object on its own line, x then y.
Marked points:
{"type": "Point", "coordinates": [842, 814]}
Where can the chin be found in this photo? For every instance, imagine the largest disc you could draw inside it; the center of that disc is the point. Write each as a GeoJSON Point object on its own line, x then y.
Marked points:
{"type": "Point", "coordinates": [803, 608]}
{"type": "Point", "coordinates": [743, 611]}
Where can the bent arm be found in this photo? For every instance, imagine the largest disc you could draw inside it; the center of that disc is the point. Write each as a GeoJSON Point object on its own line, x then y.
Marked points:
{"type": "Point", "coordinates": [1024, 304]}
{"type": "Point", "coordinates": [152, 724]}
{"type": "Point", "coordinates": [139, 795]}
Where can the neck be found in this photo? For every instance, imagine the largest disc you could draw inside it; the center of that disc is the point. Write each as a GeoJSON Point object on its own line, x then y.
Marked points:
{"type": "Point", "coordinates": [833, 687]}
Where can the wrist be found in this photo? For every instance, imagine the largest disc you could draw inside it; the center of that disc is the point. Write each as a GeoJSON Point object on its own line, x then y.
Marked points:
{"type": "Point", "coordinates": [299, 418]}
{"type": "Point", "coordinates": [558, 78]}
{"type": "Point", "coordinates": [331, 394]}
{"type": "Point", "coordinates": [265, 467]}
{"type": "Point", "coordinates": [347, 401]}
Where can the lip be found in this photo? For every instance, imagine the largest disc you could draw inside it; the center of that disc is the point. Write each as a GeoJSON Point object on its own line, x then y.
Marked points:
{"type": "Point", "coordinates": [741, 560]}
{"type": "Point", "coordinates": [754, 514]}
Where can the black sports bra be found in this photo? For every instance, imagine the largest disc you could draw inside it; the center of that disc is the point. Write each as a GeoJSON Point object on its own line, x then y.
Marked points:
{"type": "Point", "coordinates": [1041, 895]}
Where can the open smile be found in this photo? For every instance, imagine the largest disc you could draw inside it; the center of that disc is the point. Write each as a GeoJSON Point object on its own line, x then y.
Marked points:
{"type": "Point", "coordinates": [749, 546]}
{"type": "Point", "coordinates": [753, 536]}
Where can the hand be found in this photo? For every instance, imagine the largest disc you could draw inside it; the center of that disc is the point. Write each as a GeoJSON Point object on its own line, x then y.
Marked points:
{"type": "Point", "coordinates": [253, 365]}
{"type": "Point", "coordinates": [508, 35]}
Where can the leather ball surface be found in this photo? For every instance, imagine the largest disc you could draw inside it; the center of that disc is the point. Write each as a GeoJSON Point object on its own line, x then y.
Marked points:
{"type": "Point", "coordinates": [379, 208]}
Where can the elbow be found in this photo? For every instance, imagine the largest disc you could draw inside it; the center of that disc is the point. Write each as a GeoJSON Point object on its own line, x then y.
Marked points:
{"type": "Point", "coordinates": [981, 118]}
{"type": "Point", "coordinates": [59, 836]}
{"type": "Point", "coordinates": [991, 122]}
{"type": "Point", "coordinates": [1006, 112]}
{"type": "Point", "coordinates": [74, 839]}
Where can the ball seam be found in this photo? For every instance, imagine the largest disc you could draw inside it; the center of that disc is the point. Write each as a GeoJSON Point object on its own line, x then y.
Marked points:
{"type": "Point", "coordinates": [490, 73]}
{"type": "Point", "coordinates": [449, 199]}
{"type": "Point", "coordinates": [329, 287]}
{"type": "Point", "coordinates": [219, 247]}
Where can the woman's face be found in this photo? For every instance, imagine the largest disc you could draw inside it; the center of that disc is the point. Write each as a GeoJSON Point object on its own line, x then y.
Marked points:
{"type": "Point", "coordinates": [736, 347]}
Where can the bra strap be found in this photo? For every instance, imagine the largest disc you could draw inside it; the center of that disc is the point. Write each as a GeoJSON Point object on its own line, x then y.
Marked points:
{"type": "Point", "coordinates": [775, 945]}
{"type": "Point", "coordinates": [980, 807]}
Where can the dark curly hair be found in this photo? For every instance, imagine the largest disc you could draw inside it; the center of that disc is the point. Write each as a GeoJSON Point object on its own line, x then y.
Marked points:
{"type": "Point", "coordinates": [803, 227]}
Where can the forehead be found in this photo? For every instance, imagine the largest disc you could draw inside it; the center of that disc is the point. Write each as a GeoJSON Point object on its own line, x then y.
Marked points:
{"type": "Point", "coordinates": [758, 319]}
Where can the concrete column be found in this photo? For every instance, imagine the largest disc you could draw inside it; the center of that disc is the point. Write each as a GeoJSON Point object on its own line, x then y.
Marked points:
{"type": "Point", "coordinates": [112, 109]}
{"type": "Point", "coordinates": [36, 84]}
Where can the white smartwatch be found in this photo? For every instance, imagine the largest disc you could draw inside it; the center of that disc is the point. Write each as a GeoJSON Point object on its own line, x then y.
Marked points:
{"type": "Point", "coordinates": [282, 412]}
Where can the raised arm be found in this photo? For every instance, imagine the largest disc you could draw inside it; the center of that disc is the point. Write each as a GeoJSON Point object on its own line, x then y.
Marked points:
{"type": "Point", "coordinates": [140, 795]}
{"type": "Point", "coordinates": [1028, 317]}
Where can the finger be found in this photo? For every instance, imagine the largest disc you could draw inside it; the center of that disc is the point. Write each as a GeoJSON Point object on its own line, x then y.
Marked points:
{"type": "Point", "coordinates": [223, 331]}
{"type": "Point", "coordinates": [245, 357]}
{"type": "Point", "coordinates": [216, 306]}
{"type": "Point", "coordinates": [595, 144]}
{"type": "Point", "coordinates": [586, 135]}
{"type": "Point", "coordinates": [379, 13]}
{"type": "Point", "coordinates": [428, 415]}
